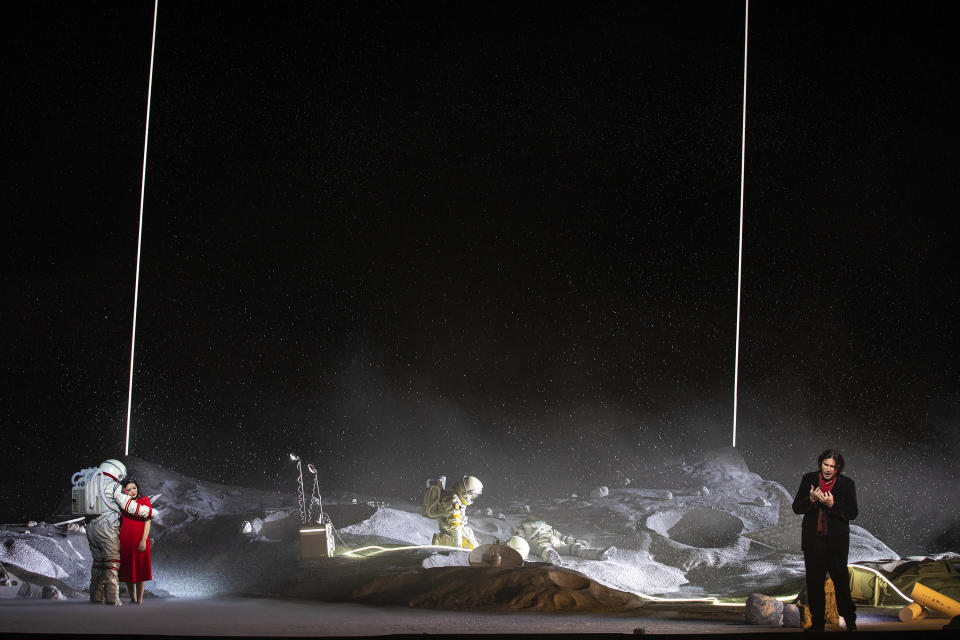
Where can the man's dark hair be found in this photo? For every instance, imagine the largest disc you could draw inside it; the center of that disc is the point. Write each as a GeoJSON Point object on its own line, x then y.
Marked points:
{"type": "Point", "coordinates": [829, 453]}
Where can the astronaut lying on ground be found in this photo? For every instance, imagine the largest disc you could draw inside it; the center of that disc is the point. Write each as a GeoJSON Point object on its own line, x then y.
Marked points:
{"type": "Point", "coordinates": [548, 544]}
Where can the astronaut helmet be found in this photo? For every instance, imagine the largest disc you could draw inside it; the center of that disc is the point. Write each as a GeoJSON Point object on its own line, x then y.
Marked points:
{"type": "Point", "coordinates": [520, 545]}
{"type": "Point", "coordinates": [114, 469]}
{"type": "Point", "coordinates": [468, 489]}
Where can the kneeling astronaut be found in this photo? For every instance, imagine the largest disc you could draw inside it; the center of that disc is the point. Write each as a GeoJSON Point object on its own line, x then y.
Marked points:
{"type": "Point", "coordinates": [548, 544]}
{"type": "Point", "coordinates": [103, 532]}
{"type": "Point", "coordinates": [449, 509]}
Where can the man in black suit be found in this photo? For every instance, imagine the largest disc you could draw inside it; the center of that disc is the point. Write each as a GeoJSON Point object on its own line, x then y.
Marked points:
{"type": "Point", "coordinates": [828, 502]}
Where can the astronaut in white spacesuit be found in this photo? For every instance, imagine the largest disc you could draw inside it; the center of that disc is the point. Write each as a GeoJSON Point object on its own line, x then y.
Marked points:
{"type": "Point", "coordinates": [536, 536]}
{"type": "Point", "coordinates": [449, 508]}
{"type": "Point", "coordinates": [103, 532]}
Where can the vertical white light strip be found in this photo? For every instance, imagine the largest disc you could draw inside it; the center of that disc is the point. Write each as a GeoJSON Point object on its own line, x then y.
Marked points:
{"type": "Point", "coordinates": [143, 186]}
{"type": "Point", "coordinates": [743, 156]}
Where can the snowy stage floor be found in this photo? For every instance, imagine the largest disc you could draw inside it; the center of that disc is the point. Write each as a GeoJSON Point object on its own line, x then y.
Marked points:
{"type": "Point", "coordinates": [238, 616]}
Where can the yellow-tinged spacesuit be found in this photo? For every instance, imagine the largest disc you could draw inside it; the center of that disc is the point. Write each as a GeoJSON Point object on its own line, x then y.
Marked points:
{"type": "Point", "coordinates": [103, 533]}
{"type": "Point", "coordinates": [548, 544]}
{"type": "Point", "coordinates": [449, 509]}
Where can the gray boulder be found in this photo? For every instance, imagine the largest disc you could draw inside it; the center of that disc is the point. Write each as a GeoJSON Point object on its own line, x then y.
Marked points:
{"type": "Point", "coordinates": [764, 610]}
{"type": "Point", "coordinates": [50, 592]}
{"type": "Point", "coordinates": [792, 616]}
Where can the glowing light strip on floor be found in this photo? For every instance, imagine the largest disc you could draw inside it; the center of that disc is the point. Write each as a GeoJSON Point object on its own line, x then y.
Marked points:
{"type": "Point", "coordinates": [743, 165]}
{"type": "Point", "coordinates": [790, 598]}
{"type": "Point", "coordinates": [379, 550]}
{"type": "Point", "coordinates": [143, 185]}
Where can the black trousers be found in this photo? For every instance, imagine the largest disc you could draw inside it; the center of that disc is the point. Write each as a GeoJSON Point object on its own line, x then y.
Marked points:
{"type": "Point", "coordinates": [818, 559]}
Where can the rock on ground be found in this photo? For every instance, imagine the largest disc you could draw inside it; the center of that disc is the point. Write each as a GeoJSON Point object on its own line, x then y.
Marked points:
{"type": "Point", "coordinates": [530, 588]}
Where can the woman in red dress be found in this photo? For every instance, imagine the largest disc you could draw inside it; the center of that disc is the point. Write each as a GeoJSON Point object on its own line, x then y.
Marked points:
{"type": "Point", "coordinates": [134, 546]}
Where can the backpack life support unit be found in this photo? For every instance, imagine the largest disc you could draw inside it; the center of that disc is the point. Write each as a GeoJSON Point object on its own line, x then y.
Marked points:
{"type": "Point", "coordinates": [431, 499]}
{"type": "Point", "coordinates": [88, 496]}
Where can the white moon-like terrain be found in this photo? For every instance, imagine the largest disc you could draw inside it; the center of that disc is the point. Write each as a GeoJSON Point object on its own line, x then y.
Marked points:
{"type": "Point", "coordinates": [722, 531]}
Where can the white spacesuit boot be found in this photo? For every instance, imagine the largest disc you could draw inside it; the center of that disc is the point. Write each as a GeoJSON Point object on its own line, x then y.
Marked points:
{"type": "Point", "coordinates": [549, 554]}
{"type": "Point", "coordinates": [607, 554]}
{"type": "Point", "coordinates": [96, 584]}
{"type": "Point", "coordinates": [581, 549]}
{"type": "Point", "coordinates": [597, 554]}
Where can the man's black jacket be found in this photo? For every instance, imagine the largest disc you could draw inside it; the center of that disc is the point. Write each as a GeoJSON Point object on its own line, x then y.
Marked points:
{"type": "Point", "coordinates": [838, 517]}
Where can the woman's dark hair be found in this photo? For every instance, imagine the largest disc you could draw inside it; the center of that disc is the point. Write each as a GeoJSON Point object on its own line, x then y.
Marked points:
{"type": "Point", "coordinates": [131, 481]}
{"type": "Point", "coordinates": [829, 453]}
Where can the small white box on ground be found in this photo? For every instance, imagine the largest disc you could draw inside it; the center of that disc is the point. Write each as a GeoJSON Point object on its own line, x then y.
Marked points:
{"type": "Point", "coordinates": [316, 541]}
